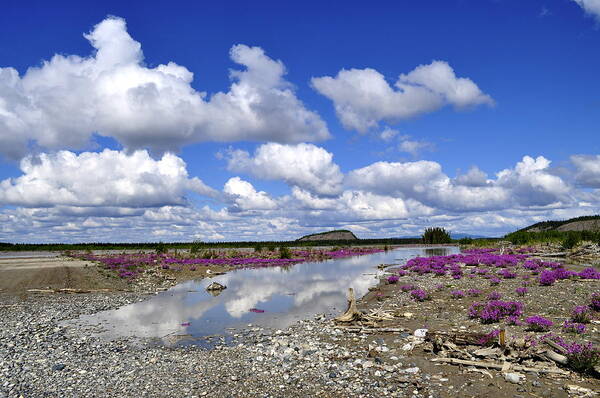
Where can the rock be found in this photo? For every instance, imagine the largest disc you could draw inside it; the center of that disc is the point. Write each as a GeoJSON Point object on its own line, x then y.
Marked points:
{"type": "Point", "coordinates": [513, 377]}
{"type": "Point", "coordinates": [58, 367]}
{"type": "Point", "coordinates": [215, 286]}
{"type": "Point", "coordinates": [420, 332]}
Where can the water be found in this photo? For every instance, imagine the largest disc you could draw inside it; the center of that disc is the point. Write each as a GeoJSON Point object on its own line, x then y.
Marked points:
{"type": "Point", "coordinates": [286, 295]}
{"type": "Point", "coordinates": [32, 254]}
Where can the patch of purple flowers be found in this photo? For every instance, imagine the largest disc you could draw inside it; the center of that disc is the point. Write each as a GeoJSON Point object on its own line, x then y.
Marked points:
{"type": "Point", "coordinates": [595, 302]}
{"type": "Point", "coordinates": [419, 294]}
{"type": "Point", "coordinates": [406, 288]}
{"type": "Point", "coordinates": [574, 327]}
{"type": "Point", "coordinates": [495, 310]}
{"type": "Point", "coordinates": [521, 291]}
{"type": "Point", "coordinates": [494, 296]}
{"type": "Point", "coordinates": [474, 292]}
{"type": "Point", "coordinates": [393, 279]}
{"type": "Point", "coordinates": [457, 294]}
{"type": "Point", "coordinates": [547, 278]}
{"type": "Point", "coordinates": [538, 323]}
{"type": "Point", "coordinates": [581, 314]}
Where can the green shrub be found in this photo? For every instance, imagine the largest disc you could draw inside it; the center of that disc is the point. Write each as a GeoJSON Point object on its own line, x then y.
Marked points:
{"type": "Point", "coordinates": [258, 248]}
{"type": "Point", "coordinates": [284, 252]}
{"type": "Point", "coordinates": [161, 248]}
{"type": "Point", "coordinates": [436, 235]}
{"type": "Point", "coordinates": [571, 241]}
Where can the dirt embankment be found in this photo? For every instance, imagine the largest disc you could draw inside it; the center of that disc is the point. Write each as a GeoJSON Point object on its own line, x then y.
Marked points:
{"type": "Point", "coordinates": [17, 275]}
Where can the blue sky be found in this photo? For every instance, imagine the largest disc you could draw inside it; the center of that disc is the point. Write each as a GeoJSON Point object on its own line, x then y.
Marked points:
{"type": "Point", "coordinates": [479, 116]}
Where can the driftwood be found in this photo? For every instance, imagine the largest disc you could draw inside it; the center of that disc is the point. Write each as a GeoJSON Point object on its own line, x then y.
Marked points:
{"type": "Point", "coordinates": [504, 367]}
{"type": "Point", "coordinates": [459, 338]}
{"type": "Point", "coordinates": [558, 358]}
{"type": "Point", "coordinates": [557, 347]}
{"type": "Point", "coordinates": [358, 329]}
{"type": "Point", "coordinates": [352, 313]}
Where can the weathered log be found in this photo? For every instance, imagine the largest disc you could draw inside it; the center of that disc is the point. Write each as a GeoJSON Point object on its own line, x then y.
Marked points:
{"type": "Point", "coordinates": [352, 313]}
{"type": "Point", "coordinates": [503, 367]}
{"type": "Point", "coordinates": [460, 338]}
{"type": "Point", "coordinates": [558, 358]}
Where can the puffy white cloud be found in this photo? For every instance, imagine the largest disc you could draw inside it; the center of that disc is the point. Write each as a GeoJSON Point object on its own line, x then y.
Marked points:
{"type": "Point", "coordinates": [370, 206]}
{"type": "Point", "coordinates": [591, 7]}
{"type": "Point", "coordinates": [62, 102]}
{"type": "Point", "coordinates": [531, 183]}
{"type": "Point", "coordinates": [110, 179]}
{"type": "Point", "coordinates": [362, 97]}
{"type": "Point", "coordinates": [304, 165]}
{"type": "Point", "coordinates": [528, 184]}
{"type": "Point", "coordinates": [473, 178]}
{"type": "Point", "coordinates": [587, 170]}
{"type": "Point", "coordinates": [245, 197]}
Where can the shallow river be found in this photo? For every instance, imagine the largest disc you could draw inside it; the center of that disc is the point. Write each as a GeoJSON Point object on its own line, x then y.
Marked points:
{"type": "Point", "coordinates": [268, 297]}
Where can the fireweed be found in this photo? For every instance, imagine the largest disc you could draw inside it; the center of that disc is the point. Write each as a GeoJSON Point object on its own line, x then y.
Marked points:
{"type": "Point", "coordinates": [406, 288]}
{"type": "Point", "coordinates": [574, 327]}
{"type": "Point", "coordinates": [595, 302]}
{"type": "Point", "coordinates": [581, 314]}
{"type": "Point", "coordinates": [495, 310]}
{"type": "Point", "coordinates": [131, 265]}
{"type": "Point", "coordinates": [538, 324]}
{"type": "Point", "coordinates": [494, 296]}
{"type": "Point", "coordinates": [419, 294]}
{"type": "Point", "coordinates": [521, 291]}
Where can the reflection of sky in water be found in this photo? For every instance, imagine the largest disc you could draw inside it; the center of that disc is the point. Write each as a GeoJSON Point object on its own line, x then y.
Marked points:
{"type": "Point", "coordinates": [285, 294]}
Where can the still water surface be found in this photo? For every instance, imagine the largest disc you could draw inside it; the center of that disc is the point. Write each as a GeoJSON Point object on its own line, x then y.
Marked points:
{"type": "Point", "coordinates": [285, 294]}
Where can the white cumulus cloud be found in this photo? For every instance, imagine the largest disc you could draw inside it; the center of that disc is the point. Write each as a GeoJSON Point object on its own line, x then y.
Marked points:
{"type": "Point", "coordinates": [587, 170]}
{"type": "Point", "coordinates": [362, 97]}
{"type": "Point", "coordinates": [61, 103]}
{"type": "Point", "coordinates": [107, 179]}
{"type": "Point", "coordinates": [303, 165]}
{"type": "Point", "coordinates": [245, 197]}
{"type": "Point", "coordinates": [591, 7]}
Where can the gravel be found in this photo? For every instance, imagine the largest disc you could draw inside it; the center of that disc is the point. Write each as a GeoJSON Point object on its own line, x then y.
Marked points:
{"type": "Point", "coordinates": [41, 358]}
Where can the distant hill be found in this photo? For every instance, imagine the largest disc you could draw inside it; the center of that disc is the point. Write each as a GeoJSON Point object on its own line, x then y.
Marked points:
{"type": "Point", "coordinates": [585, 223]}
{"type": "Point", "coordinates": [340, 234]}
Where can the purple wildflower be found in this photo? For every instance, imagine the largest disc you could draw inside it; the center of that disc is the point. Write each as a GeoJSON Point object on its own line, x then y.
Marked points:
{"type": "Point", "coordinates": [473, 292]}
{"type": "Point", "coordinates": [393, 279]}
{"type": "Point", "coordinates": [419, 294]}
{"type": "Point", "coordinates": [494, 296]}
{"type": "Point", "coordinates": [547, 278]}
{"type": "Point", "coordinates": [457, 294]}
{"type": "Point", "coordinates": [574, 327]}
{"type": "Point", "coordinates": [406, 288]}
{"type": "Point", "coordinates": [495, 310]}
{"type": "Point", "coordinates": [581, 314]}
{"type": "Point", "coordinates": [538, 324]}
{"type": "Point", "coordinates": [521, 291]}
{"type": "Point", "coordinates": [595, 302]}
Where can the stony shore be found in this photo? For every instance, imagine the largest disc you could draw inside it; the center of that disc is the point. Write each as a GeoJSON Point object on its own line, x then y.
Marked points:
{"type": "Point", "coordinates": [41, 358]}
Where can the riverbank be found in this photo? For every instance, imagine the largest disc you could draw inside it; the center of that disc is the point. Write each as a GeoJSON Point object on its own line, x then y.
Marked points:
{"type": "Point", "coordinates": [316, 357]}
